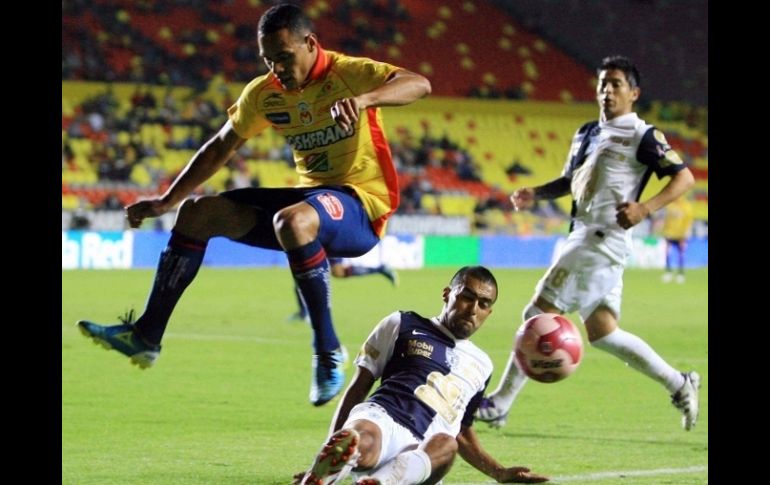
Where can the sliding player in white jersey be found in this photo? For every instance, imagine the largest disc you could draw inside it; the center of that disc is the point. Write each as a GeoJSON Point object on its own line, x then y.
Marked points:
{"type": "Point", "coordinates": [432, 379]}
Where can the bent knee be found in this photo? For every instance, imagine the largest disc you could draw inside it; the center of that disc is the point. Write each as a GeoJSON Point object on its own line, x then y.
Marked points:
{"type": "Point", "coordinates": [298, 223]}
{"type": "Point", "coordinates": [369, 447]}
{"type": "Point", "coordinates": [441, 448]}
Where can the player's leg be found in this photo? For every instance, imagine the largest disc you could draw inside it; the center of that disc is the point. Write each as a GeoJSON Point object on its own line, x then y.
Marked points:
{"type": "Point", "coordinates": [389, 273]}
{"type": "Point", "coordinates": [494, 408]}
{"type": "Point", "coordinates": [557, 291]}
{"type": "Point", "coordinates": [390, 453]}
{"type": "Point", "coordinates": [374, 431]}
{"type": "Point", "coordinates": [427, 464]}
{"type": "Point", "coordinates": [442, 450]}
{"type": "Point", "coordinates": [297, 228]}
{"type": "Point", "coordinates": [301, 313]}
{"type": "Point", "coordinates": [604, 333]}
{"type": "Point", "coordinates": [681, 247]}
{"type": "Point", "coordinates": [335, 460]}
{"type": "Point", "coordinates": [329, 221]}
{"type": "Point", "coordinates": [198, 220]}
{"type": "Point", "coordinates": [668, 275]}
{"type": "Point", "coordinates": [342, 268]}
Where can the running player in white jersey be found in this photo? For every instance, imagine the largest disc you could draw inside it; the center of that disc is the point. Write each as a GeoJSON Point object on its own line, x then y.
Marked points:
{"type": "Point", "coordinates": [608, 166]}
{"type": "Point", "coordinates": [432, 379]}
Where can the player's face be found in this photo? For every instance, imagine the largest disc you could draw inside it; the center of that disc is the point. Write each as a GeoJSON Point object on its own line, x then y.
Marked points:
{"type": "Point", "coordinates": [290, 57]}
{"type": "Point", "coordinates": [615, 96]}
{"type": "Point", "coordinates": [467, 305]}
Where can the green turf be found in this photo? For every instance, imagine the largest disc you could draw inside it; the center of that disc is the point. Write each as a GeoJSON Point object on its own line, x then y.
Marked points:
{"type": "Point", "coordinates": [227, 401]}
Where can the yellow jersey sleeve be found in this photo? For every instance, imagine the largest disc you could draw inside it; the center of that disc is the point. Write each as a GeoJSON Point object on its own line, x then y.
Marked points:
{"type": "Point", "coordinates": [244, 114]}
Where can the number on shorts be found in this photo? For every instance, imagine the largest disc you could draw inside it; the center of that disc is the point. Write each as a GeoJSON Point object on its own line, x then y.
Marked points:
{"type": "Point", "coordinates": [558, 276]}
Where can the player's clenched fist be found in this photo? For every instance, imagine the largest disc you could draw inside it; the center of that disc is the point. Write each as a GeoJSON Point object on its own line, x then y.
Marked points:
{"type": "Point", "coordinates": [345, 113]}
{"type": "Point", "coordinates": [523, 198]}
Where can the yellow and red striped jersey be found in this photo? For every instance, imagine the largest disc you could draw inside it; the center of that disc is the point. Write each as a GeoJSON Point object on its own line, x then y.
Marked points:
{"type": "Point", "coordinates": [324, 153]}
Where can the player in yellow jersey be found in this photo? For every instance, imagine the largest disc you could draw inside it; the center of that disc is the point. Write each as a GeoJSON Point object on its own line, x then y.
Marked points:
{"type": "Point", "coordinates": [677, 225]}
{"type": "Point", "coordinates": [327, 106]}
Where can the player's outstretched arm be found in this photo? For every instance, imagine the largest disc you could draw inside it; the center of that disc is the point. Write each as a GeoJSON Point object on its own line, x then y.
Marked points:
{"type": "Point", "coordinates": [356, 392]}
{"type": "Point", "coordinates": [471, 450]}
{"type": "Point", "coordinates": [402, 87]}
{"type": "Point", "coordinates": [206, 161]}
{"type": "Point", "coordinates": [525, 197]}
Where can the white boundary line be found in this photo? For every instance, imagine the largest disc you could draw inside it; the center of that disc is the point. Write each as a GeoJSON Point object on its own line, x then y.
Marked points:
{"type": "Point", "coordinates": [588, 477]}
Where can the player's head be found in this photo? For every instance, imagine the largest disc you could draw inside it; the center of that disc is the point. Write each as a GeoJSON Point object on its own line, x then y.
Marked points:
{"type": "Point", "coordinates": [468, 300]}
{"type": "Point", "coordinates": [287, 44]}
{"type": "Point", "coordinates": [617, 87]}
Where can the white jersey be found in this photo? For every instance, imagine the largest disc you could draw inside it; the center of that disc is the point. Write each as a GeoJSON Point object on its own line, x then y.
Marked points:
{"type": "Point", "coordinates": [620, 156]}
{"type": "Point", "coordinates": [431, 381]}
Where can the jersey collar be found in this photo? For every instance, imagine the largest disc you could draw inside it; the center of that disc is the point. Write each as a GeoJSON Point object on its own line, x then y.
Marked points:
{"type": "Point", "coordinates": [321, 65]}
{"type": "Point", "coordinates": [318, 71]}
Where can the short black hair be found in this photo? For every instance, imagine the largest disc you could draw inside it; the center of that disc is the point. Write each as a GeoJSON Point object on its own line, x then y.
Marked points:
{"type": "Point", "coordinates": [285, 16]}
{"type": "Point", "coordinates": [624, 64]}
{"type": "Point", "coordinates": [479, 272]}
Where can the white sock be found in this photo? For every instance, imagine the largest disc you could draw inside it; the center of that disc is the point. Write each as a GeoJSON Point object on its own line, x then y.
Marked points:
{"type": "Point", "coordinates": [411, 467]}
{"type": "Point", "coordinates": [513, 379]}
{"type": "Point", "coordinates": [511, 383]}
{"type": "Point", "coordinates": [638, 354]}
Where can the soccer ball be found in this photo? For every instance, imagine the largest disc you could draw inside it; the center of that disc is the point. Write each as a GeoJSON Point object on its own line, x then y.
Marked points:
{"type": "Point", "coordinates": [548, 347]}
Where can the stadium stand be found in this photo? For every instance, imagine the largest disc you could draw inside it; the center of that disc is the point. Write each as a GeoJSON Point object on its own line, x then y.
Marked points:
{"type": "Point", "coordinates": [144, 83]}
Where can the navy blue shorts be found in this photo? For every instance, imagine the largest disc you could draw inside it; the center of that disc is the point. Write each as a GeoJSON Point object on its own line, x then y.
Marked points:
{"type": "Point", "coordinates": [345, 227]}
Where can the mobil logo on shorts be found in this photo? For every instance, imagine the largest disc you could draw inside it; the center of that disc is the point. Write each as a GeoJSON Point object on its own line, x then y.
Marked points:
{"type": "Point", "coordinates": [332, 206]}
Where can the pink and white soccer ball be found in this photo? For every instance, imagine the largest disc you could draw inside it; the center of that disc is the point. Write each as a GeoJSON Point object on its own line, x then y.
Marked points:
{"type": "Point", "coordinates": [548, 347]}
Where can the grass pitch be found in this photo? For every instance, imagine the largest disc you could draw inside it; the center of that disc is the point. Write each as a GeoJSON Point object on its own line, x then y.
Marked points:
{"type": "Point", "coordinates": [227, 401]}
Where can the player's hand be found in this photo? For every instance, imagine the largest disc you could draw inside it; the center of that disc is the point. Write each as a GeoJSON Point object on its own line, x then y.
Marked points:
{"type": "Point", "coordinates": [345, 113]}
{"type": "Point", "coordinates": [523, 198]}
{"type": "Point", "coordinates": [519, 474]}
{"type": "Point", "coordinates": [630, 214]}
{"type": "Point", "coordinates": [298, 478]}
{"type": "Point", "coordinates": [139, 211]}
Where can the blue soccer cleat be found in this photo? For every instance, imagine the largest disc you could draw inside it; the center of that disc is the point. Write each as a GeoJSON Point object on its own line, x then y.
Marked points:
{"type": "Point", "coordinates": [328, 375]}
{"type": "Point", "coordinates": [389, 273]}
{"type": "Point", "coordinates": [300, 316]}
{"type": "Point", "coordinates": [122, 338]}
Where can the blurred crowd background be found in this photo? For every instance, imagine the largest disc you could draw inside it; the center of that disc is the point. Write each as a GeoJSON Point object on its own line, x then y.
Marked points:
{"type": "Point", "coordinates": [145, 83]}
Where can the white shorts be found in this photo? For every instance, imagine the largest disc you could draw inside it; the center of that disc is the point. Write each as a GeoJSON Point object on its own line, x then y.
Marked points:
{"type": "Point", "coordinates": [582, 279]}
{"type": "Point", "coordinates": [395, 438]}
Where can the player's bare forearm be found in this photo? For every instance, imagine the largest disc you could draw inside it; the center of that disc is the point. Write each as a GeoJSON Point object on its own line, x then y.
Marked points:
{"type": "Point", "coordinates": [632, 213]}
{"type": "Point", "coordinates": [402, 88]}
{"type": "Point", "coordinates": [205, 163]}
{"type": "Point", "coordinates": [677, 186]}
{"type": "Point", "coordinates": [472, 452]}
{"type": "Point", "coordinates": [356, 392]}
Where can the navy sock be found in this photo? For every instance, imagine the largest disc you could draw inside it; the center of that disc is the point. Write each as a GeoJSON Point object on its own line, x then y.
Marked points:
{"type": "Point", "coordinates": [311, 273]}
{"type": "Point", "coordinates": [361, 270]}
{"type": "Point", "coordinates": [300, 303]}
{"type": "Point", "coordinates": [177, 267]}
